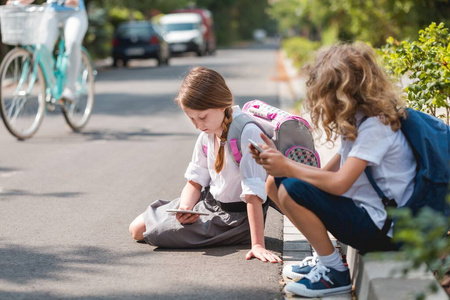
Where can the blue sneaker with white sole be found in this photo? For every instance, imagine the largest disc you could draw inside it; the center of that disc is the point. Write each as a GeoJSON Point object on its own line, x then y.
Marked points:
{"type": "Point", "coordinates": [321, 281]}
{"type": "Point", "coordinates": [298, 271]}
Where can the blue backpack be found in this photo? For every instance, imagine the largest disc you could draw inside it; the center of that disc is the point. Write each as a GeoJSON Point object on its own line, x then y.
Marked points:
{"type": "Point", "coordinates": [429, 138]}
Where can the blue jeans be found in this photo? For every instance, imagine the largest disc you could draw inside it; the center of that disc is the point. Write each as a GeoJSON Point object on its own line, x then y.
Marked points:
{"type": "Point", "coordinates": [347, 222]}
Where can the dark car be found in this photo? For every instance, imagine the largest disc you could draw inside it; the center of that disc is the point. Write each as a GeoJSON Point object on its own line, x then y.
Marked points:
{"type": "Point", "coordinates": [139, 39]}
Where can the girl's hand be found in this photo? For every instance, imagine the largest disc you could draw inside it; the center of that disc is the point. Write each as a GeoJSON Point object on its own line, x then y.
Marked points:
{"type": "Point", "coordinates": [262, 254]}
{"type": "Point", "coordinates": [72, 3]}
{"type": "Point", "coordinates": [272, 160]}
{"type": "Point", "coordinates": [186, 218]}
{"type": "Point", "coordinates": [269, 144]}
{"type": "Point", "coordinates": [255, 153]}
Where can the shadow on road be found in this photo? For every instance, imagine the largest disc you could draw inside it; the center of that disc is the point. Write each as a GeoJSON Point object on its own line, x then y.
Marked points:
{"type": "Point", "coordinates": [204, 292]}
{"type": "Point", "coordinates": [16, 193]}
{"type": "Point", "coordinates": [21, 264]}
{"type": "Point", "coordinates": [127, 104]}
{"type": "Point", "coordinates": [151, 105]}
{"type": "Point", "coordinates": [207, 251]}
{"type": "Point", "coordinates": [272, 244]}
{"type": "Point", "coordinates": [116, 135]}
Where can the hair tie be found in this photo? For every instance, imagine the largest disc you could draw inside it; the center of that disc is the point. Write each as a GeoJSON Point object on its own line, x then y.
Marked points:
{"type": "Point", "coordinates": [222, 144]}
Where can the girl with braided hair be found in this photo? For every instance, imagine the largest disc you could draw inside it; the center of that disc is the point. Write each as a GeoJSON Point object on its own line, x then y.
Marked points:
{"type": "Point", "coordinates": [236, 208]}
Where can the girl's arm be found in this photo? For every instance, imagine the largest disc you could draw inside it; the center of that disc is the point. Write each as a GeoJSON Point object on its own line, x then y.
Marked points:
{"type": "Point", "coordinates": [333, 164]}
{"type": "Point", "coordinates": [331, 179]}
{"type": "Point", "coordinates": [333, 182]}
{"type": "Point", "coordinates": [189, 197]}
{"type": "Point", "coordinates": [256, 222]}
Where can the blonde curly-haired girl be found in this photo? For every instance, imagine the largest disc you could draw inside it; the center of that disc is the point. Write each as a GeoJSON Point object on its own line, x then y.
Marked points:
{"type": "Point", "coordinates": [350, 97]}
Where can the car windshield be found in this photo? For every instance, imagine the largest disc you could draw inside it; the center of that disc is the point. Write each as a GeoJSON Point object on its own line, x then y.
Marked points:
{"type": "Point", "coordinates": [180, 26]}
{"type": "Point", "coordinates": [137, 30]}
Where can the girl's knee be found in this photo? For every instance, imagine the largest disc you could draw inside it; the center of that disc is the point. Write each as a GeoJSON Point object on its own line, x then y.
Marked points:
{"type": "Point", "coordinates": [283, 196]}
{"type": "Point", "coordinates": [137, 228]}
{"type": "Point", "coordinates": [271, 188]}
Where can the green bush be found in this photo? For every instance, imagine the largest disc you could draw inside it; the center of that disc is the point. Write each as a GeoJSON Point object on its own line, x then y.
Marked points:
{"type": "Point", "coordinates": [299, 49]}
{"type": "Point", "coordinates": [118, 15]}
{"type": "Point", "coordinates": [426, 62]}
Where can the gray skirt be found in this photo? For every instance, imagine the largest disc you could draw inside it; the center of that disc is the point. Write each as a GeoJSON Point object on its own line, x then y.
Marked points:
{"type": "Point", "coordinates": [219, 228]}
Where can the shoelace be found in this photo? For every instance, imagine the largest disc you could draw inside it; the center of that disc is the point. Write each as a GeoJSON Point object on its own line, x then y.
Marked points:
{"type": "Point", "coordinates": [309, 260]}
{"type": "Point", "coordinates": [318, 272]}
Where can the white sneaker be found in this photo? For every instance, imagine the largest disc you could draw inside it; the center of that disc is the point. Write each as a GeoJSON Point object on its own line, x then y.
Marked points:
{"type": "Point", "coordinates": [67, 96]}
{"type": "Point", "coordinates": [298, 271]}
{"type": "Point", "coordinates": [321, 281]}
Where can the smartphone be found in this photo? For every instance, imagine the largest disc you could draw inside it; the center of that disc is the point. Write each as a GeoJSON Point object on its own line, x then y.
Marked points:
{"type": "Point", "coordinates": [183, 211]}
{"type": "Point", "coordinates": [257, 147]}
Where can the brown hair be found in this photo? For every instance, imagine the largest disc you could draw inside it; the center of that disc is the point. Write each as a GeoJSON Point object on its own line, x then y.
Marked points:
{"type": "Point", "coordinates": [345, 79]}
{"type": "Point", "coordinates": [203, 89]}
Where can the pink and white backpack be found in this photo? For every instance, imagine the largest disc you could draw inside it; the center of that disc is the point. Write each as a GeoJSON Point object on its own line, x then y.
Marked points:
{"type": "Point", "coordinates": [291, 133]}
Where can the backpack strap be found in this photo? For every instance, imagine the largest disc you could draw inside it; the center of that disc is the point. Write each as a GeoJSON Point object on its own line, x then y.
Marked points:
{"type": "Point", "coordinates": [385, 200]}
{"type": "Point", "coordinates": [235, 132]}
{"type": "Point", "coordinates": [205, 150]}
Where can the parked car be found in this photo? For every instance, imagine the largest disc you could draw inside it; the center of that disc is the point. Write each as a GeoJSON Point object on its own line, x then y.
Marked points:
{"type": "Point", "coordinates": [209, 34]}
{"type": "Point", "coordinates": [184, 32]}
{"type": "Point", "coordinates": [139, 39]}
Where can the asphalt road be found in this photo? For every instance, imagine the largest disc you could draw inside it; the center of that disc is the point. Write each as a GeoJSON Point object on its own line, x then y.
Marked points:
{"type": "Point", "coordinates": [66, 199]}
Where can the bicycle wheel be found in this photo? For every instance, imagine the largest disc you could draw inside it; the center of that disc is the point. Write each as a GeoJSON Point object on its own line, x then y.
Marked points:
{"type": "Point", "coordinates": [22, 94]}
{"type": "Point", "coordinates": [78, 112]}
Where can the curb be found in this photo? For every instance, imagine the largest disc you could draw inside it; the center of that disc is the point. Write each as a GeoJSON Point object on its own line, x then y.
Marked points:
{"type": "Point", "coordinates": [380, 278]}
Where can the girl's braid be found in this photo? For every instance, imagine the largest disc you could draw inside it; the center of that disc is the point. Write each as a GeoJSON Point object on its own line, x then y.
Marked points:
{"type": "Point", "coordinates": [223, 139]}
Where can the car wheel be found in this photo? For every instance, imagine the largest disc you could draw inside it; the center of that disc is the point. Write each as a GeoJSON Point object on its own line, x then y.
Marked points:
{"type": "Point", "coordinates": [160, 61]}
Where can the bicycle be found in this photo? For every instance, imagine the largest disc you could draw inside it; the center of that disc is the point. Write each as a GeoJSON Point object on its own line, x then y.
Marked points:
{"type": "Point", "coordinates": [32, 80]}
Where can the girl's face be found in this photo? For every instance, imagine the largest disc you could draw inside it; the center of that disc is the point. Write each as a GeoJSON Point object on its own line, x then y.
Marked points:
{"type": "Point", "coordinates": [209, 120]}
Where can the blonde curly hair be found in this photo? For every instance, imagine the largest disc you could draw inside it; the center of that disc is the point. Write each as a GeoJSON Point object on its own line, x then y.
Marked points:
{"type": "Point", "coordinates": [345, 79]}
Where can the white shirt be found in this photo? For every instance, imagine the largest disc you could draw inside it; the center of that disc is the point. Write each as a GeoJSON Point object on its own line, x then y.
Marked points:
{"type": "Point", "coordinates": [392, 163]}
{"type": "Point", "coordinates": [234, 181]}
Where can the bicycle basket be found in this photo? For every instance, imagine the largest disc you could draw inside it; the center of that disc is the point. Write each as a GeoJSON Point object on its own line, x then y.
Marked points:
{"type": "Point", "coordinates": [21, 25]}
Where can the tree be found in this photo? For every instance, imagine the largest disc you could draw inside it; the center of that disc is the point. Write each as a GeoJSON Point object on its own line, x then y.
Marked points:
{"type": "Point", "coordinates": [372, 21]}
{"type": "Point", "coordinates": [426, 62]}
{"type": "Point", "coordinates": [236, 19]}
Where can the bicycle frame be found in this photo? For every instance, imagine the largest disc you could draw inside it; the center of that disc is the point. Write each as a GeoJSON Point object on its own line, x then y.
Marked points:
{"type": "Point", "coordinates": [55, 77]}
